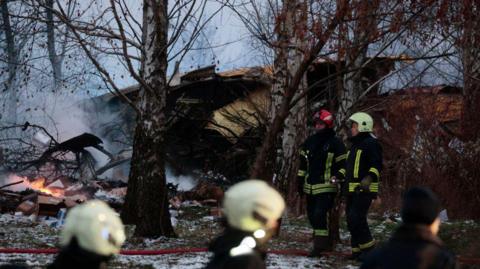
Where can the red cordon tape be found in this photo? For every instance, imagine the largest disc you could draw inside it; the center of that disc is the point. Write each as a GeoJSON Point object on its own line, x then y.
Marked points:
{"type": "Point", "coordinates": [468, 260]}
{"type": "Point", "coordinates": [29, 251]}
{"type": "Point", "coordinates": [162, 251]}
{"type": "Point", "coordinates": [460, 259]}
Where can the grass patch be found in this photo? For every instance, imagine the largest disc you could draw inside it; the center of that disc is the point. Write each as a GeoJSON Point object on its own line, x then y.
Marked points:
{"type": "Point", "coordinates": [462, 237]}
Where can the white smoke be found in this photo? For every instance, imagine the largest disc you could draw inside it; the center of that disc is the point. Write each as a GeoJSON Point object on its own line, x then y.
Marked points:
{"type": "Point", "coordinates": [185, 182]}
{"type": "Point", "coordinates": [65, 117]}
{"type": "Point", "coordinates": [70, 121]}
{"type": "Point", "coordinates": [12, 178]}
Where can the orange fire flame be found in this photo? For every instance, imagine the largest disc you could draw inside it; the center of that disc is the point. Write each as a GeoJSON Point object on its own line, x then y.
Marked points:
{"type": "Point", "coordinates": [38, 185]}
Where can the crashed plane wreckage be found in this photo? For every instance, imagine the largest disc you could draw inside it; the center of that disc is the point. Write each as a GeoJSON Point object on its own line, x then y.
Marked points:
{"type": "Point", "coordinates": [60, 157]}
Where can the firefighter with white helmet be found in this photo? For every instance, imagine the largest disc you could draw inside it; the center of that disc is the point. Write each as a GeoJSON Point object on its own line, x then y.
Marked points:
{"type": "Point", "coordinates": [92, 234]}
{"type": "Point", "coordinates": [252, 209]}
{"type": "Point", "coordinates": [363, 167]}
{"type": "Point", "coordinates": [322, 165]}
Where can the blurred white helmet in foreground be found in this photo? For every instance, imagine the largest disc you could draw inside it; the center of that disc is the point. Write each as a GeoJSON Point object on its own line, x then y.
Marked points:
{"type": "Point", "coordinates": [252, 205]}
{"type": "Point", "coordinates": [96, 227]}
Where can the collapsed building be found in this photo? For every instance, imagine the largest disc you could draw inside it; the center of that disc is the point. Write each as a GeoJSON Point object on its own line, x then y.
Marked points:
{"type": "Point", "coordinates": [216, 119]}
{"type": "Point", "coordinates": [216, 122]}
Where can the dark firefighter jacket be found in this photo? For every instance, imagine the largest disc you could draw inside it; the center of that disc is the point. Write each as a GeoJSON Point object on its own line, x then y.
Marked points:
{"type": "Point", "coordinates": [322, 156]}
{"type": "Point", "coordinates": [363, 159]}
{"type": "Point", "coordinates": [228, 252]}
{"type": "Point", "coordinates": [412, 246]}
{"type": "Point", "coordinates": [75, 257]}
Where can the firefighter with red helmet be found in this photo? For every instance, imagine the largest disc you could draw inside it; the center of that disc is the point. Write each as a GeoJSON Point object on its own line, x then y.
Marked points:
{"type": "Point", "coordinates": [363, 167]}
{"type": "Point", "coordinates": [322, 164]}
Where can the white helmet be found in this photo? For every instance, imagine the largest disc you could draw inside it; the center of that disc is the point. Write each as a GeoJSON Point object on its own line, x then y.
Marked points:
{"type": "Point", "coordinates": [253, 205]}
{"type": "Point", "coordinates": [96, 227]}
{"type": "Point", "coordinates": [364, 121]}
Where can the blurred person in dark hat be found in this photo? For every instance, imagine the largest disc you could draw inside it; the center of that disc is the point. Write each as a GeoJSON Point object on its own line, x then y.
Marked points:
{"type": "Point", "coordinates": [415, 243]}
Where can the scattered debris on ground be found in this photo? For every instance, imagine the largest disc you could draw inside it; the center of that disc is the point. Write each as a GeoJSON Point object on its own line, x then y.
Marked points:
{"type": "Point", "coordinates": [196, 226]}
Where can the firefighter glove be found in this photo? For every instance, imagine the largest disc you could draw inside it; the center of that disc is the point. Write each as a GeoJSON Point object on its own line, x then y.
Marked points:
{"type": "Point", "coordinates": [365, 184]}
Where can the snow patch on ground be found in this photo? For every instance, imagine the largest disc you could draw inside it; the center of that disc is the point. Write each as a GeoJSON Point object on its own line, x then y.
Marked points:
{"type": "Point", "coordinates": [108, 197]}
{"type": "Point", "coordinates": [180, 261]}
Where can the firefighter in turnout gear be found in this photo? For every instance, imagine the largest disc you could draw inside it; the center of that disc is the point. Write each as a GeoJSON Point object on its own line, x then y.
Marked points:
{"type": "Point", "coordinates": [322, 165]}
{"type": "Point", "coordinates": [252, 209]}
{"type": "Point", "coordinates": [363, 167]}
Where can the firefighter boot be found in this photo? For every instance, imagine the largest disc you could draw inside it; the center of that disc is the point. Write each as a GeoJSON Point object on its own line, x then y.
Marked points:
{"type": "Point", "coordinates": [365, 253]}
{"type": "Point", "coordinates": [320, 244]}
{"type": "Point", "coordinates": [354, 256]}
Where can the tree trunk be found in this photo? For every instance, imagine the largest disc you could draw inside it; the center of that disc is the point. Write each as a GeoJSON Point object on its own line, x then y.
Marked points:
{"type": "Point", "coordinates": [353, 84]}
{"type": "Point", "coordinates": [146, 203]}
{"type": "Point", "coordinates": [263, 166]}
{"type": "Point", "coordinates": [365, 26]}
{"type": "Point", "coordinates": [55, 59]}
{"type": "Point", "coordinates": [10, 105]}
{"type": "Point", "coordinates": [286, 64]}
{"type": "Point", "coordinates": [471, 70]}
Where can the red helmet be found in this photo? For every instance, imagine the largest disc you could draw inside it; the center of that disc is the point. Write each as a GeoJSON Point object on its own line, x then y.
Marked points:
{"type": "Point", "coordinates": [325, 116]}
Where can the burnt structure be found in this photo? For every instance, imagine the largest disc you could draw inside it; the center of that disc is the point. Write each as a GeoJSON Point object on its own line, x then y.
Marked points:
{"type": "Point", "coordinates": [216, 120]}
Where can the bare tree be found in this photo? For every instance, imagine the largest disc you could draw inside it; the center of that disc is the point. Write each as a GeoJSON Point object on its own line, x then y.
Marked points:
{"type": "Point", "coordinates": [55, 59]}
{"type": "Point", "coordinates": [144, 47]}
{"type": "Point", "coordinates": [364, 31]}
{"type": "Point", "coordinates": [360, 25]}
{"type": "Point", "coordinates": [263, 166]}
{"type": "Point", "coordinates": [352, 35]}
{"type": "Point", "coordinates": [42, 49]}
{"type": "Point", "coordinates": [469, 43]}
{"type": "Point", "coordinates": [291, 34]}
{"type": "Point", "coordinates": [12, 64]}
{"type": "Point", "coordinates": [147, 178]}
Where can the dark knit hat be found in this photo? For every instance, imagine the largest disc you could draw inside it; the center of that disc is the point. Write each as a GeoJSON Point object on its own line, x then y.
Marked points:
{"type": "Point", "coordinates": [420, 206]}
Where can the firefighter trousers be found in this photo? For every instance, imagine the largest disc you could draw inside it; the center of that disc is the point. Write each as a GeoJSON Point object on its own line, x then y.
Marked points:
{"type": "Point", "coordinates": [318, 207]}
{"type": "Point", "coordinates": [357, 209]}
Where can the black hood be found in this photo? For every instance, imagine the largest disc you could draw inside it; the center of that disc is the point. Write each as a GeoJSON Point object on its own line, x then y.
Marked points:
{"type": "Point", "coordinates": [229, 239]}
{"type": "Point", "coordinates": [415, 232]}
{"type": "Point", "coordinates": [73, 257]}
{"type": "Point", "coordinates": [319, 138]}
{"type": "Point", "coordinates": [325, 133]}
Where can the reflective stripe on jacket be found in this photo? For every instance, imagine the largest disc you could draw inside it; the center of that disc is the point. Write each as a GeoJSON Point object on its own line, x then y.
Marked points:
{"type": "Point", "coordinates": [322, 156]}
{"type": "Point", "coordinates": [364, 159]}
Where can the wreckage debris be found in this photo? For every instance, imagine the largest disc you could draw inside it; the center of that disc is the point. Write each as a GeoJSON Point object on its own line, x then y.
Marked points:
{"type": "Point", "coordinates": [205, 193]}
{"type": "Point", "coordinates": [40, 198]}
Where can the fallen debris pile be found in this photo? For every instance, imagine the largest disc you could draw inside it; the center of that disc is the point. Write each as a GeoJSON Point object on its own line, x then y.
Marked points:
{"type": "Point", "coordinates": [40, 197]}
